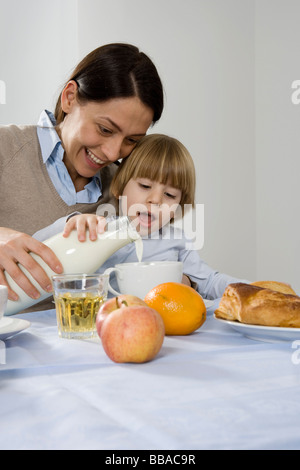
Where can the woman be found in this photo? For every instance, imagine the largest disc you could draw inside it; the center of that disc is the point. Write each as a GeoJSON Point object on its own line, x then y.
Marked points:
{"type": "Point", "coordinates": [64, 164]}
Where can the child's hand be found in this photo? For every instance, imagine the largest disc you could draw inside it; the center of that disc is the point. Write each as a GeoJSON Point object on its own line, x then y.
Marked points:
{"type": "Point", "coordinates": [186, 280]}
{"type": "Point", "coordinates": [83, 222]}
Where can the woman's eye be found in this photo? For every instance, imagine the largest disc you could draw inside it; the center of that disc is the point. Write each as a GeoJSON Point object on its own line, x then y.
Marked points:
{"type": "Point", "coordinates": [105, 131]}
{"type": "Point", "coordinates": [132, 141]}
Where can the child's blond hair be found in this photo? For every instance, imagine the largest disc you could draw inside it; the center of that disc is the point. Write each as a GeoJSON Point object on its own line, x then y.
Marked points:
{"type": "Point", "coordinates": [160, 158]}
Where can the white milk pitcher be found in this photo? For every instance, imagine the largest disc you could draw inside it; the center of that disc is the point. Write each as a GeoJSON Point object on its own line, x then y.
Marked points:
{"type": "Point", "coordinates": [76, 257]}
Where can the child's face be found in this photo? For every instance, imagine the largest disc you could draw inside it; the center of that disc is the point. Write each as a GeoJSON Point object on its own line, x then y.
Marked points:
{"type": "Point", "coordinates": [149, 203]}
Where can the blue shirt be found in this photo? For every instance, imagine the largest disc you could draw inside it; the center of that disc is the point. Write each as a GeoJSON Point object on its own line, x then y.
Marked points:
{"type": "Point", "coordinates": [52, 154]}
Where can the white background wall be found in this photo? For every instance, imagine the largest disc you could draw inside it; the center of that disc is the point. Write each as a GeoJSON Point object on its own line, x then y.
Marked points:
{"type": "Point", "coordinates": [277, 140]}
{"type": "Point", "coordinates": [227, 68]}
{"type": "Point", "coordinates": [38, 49]}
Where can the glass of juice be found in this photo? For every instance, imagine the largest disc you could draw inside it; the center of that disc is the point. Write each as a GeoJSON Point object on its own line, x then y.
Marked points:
{"type": "Point", "coordinates": [78, 298]}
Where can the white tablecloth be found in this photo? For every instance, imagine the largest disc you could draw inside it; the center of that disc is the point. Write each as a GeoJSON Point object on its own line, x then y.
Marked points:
{"type": "Point", "coordinates": [214, 389]}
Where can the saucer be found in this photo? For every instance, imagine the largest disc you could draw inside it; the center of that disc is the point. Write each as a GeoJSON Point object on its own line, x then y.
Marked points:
{"type": "Point", "coordinates": [267, 334]}
{"type": "Point", "coordinates": [11, 326]}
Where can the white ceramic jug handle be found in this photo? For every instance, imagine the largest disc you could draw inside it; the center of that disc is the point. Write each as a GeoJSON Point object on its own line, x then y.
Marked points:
{"type": "Point", "coordinates": [111, 290]}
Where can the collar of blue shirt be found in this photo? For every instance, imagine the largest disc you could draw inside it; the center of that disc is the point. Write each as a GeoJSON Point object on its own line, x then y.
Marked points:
{"type": "Point", "coordinates": [52, 154]}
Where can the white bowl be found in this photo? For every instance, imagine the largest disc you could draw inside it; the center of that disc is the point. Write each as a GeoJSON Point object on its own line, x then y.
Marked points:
{"type": "Point", "coordinates": [3, 300]}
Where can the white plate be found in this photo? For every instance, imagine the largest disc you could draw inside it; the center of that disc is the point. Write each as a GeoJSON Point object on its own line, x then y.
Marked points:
{"type": "Point", "coordinates": [11, 326]}
{"type": "Point", "coordinates": [268, 334]}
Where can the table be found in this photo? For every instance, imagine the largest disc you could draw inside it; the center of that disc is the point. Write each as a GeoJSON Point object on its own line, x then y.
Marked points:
{"type": "Point", "coordinates": [214, 389]}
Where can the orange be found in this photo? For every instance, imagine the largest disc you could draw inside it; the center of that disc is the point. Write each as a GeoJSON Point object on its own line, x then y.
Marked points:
{"type": "Point", "coordinates": [181, 307]}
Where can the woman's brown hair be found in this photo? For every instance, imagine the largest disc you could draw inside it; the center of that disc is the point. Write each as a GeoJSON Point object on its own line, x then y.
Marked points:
{"type": "Point", "coordinates": [117, 71]}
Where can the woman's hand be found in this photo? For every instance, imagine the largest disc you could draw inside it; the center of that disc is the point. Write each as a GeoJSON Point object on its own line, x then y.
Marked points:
{"type": "Point", "coordinates": [83, 222]}
{"type": "Point", "coordinates": [15, 247]}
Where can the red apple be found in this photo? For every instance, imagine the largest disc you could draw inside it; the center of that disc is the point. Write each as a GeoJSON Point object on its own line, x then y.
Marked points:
{"type": "Point", "coordinates": [132, 333]}
{"type": "Point", "coordinates": [113, 304]}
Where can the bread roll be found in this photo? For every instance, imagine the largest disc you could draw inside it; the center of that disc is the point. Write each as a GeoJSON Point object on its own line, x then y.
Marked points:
{"type": "Point", "coordinates": [277, 286]}
{"type": "Point", "coordinates": [255, 305]}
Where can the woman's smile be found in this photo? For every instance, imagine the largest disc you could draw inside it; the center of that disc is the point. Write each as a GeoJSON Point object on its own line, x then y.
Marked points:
{"type": "Point", "coordinates": [93, 160]}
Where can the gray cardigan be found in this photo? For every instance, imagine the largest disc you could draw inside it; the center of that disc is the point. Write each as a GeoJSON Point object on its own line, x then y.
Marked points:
{"type": "Point", "coordinates": [28, 199]}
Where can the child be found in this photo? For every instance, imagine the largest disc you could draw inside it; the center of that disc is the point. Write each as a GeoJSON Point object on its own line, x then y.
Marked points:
{"type": "Point", "coordinates": [152, 185]}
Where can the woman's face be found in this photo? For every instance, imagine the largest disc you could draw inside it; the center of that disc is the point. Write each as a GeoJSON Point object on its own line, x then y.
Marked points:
{"type": "Point", "coordinates": [96, 134]}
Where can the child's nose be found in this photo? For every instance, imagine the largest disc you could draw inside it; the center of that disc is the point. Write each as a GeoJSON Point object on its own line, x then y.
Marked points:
{"type": "Point", "coordinates": [155, 197]}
